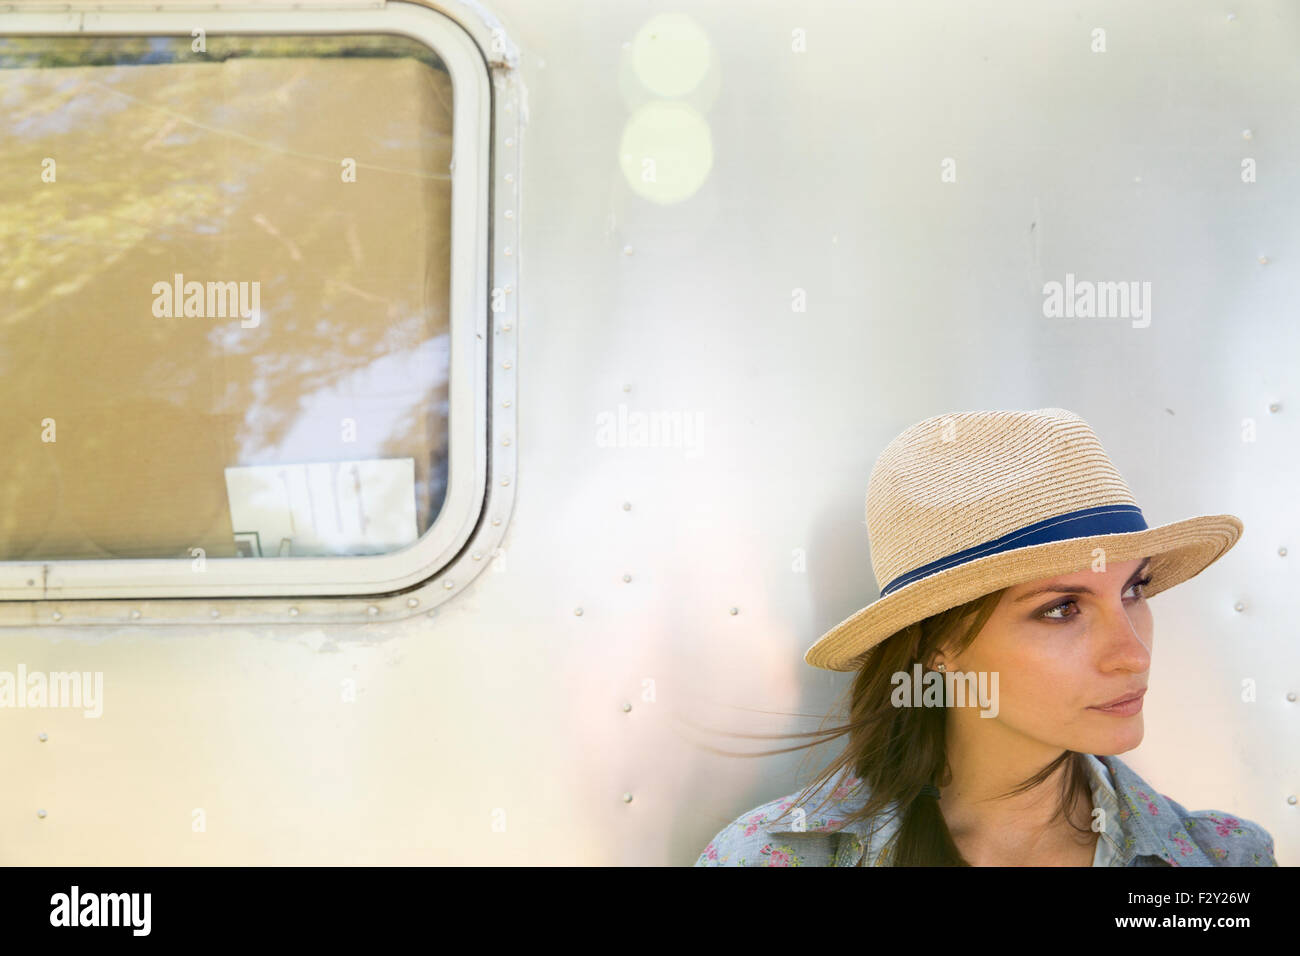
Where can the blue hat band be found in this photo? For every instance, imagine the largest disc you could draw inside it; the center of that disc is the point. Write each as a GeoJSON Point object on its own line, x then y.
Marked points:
{"type": "Point", "coordinates": [1105, 519]}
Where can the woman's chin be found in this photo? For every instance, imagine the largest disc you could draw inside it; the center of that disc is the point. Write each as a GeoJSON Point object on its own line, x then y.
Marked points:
{"type": "Point", "coordinates": [1118, 740]}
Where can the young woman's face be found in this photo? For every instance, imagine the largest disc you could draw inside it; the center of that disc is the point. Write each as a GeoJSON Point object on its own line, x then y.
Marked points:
{"type": "Point", "coordinates": [1063, 648]}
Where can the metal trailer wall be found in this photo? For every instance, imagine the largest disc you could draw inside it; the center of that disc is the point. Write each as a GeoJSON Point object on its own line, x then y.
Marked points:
{"type": "Point", "coordinates": [886, 189]}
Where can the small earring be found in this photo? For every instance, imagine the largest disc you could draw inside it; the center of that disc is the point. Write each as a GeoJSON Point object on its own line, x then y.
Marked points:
{"type": "Point", "coordinates": [942, 667]}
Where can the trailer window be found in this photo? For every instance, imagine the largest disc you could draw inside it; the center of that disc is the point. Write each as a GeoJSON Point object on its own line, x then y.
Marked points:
{"type": "Point", "coordinates": [225, 297]}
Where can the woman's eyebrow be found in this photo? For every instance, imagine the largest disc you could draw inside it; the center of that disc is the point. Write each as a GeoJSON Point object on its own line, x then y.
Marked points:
{"type": "Point", "coordinates": [1076, 588]}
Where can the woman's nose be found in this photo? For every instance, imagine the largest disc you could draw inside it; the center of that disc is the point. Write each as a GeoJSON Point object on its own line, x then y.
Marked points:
{"type": "Point", "coordinates": [1128, 636]}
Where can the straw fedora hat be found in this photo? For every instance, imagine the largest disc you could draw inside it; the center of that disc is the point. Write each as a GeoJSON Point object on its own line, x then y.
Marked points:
{"type": "Point", "coordinates": [964, 504]}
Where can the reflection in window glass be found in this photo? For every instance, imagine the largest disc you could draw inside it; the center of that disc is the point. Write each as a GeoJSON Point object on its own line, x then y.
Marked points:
{"type": "Point", "coordinates": [224, 288]}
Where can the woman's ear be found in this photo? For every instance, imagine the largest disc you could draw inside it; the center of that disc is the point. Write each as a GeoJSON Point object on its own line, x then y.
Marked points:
{"type": "Point", "coordinates": [932, 660]}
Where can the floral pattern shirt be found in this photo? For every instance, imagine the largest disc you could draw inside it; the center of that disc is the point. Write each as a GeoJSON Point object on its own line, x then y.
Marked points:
{"type": "Point", "coordinates": [1140, 827]}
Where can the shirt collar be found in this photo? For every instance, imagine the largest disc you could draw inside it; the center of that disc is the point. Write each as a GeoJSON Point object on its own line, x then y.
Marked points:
{"type": "Point", "coordinates": [1138, 821]}
{"type": "Point", "coordinates": [1155, 822]}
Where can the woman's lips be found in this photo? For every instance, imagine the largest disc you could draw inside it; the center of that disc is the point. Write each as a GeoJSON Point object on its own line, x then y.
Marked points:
{"type": "Point", "coordinates": [1123, 709]}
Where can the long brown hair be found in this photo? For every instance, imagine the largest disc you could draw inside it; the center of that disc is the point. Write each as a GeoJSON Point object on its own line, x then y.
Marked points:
{"type": "Point", "coordinates": [896, 751]}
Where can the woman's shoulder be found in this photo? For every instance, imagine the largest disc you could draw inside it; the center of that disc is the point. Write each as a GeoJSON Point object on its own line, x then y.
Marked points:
{"type": "Point", "coordinates": [1165, 828]}
{"type": "Point", "coordinates": [746, 840]}
{"type": "Point", "coordinates": [798, 829]}
{"type": "Point", "coordinates": [1227, 839]}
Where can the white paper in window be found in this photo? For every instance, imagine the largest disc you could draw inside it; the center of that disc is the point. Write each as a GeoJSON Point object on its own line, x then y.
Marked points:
{"type": "Point", "coordinates": [323, 508]}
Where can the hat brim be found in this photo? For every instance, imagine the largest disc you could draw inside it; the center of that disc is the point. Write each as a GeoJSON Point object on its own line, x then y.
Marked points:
{"type": "Point", "coordinates": [1178, 551]}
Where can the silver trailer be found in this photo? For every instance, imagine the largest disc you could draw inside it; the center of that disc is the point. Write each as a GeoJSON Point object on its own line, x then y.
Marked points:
{"type": "Point", "coordinates": [433, 432]}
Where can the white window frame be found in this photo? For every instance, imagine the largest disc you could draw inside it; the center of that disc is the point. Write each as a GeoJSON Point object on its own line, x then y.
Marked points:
{"type": "Point", "coordinates": [469, 383]}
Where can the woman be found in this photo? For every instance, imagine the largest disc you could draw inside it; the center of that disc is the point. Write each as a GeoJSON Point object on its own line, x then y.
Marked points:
{"type": "Point", "coordinates": [1002, 668]}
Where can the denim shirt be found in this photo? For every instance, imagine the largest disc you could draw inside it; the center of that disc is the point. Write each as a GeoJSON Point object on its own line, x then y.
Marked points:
{"type": "Point", "coordinates": [1141, 828]}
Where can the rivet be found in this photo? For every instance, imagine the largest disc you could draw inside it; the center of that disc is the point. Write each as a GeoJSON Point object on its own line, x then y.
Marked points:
{"type": "Point", "coordinates": [41, 813]}
{"type": "Point", "coordinates": [214, 613]}
{"type": "Point", "coordinates": [510, 177]}
{"type": "Point", "coordinates": [448, 584]}
{"type": "Point", "coordinates": [506, 403]}
{"type": "Point", "coordinates": [44, 737]}
{"type": "Point", "coordinates": [496, 521]}
{"type": "Point", "coordinates": [372, 610]}
{"type": "Point", "coordinates": [627, 798]}
{"type": "Point", "coordinates": [1247, 134]}
{"type": "Point", "coordinates": [432, 612]}
{"type": "Point", "coordinates": [510, 141]}
{"type": "Point", "coordinates": [412, 602]}
{"type": "Point", "coordinates": [1291, 799]}
{"type": "Point", "coordinates": [508, 251]}
{"type": "Point", "coordinates": [627, 250]}
{"type": "Point", "coordinates": [626, 707]}
{"type": "Point", "coordinates": [577, 611]}
{"type": "Point", "coordinates": [505, 481]}
{"type": "Point", "coordinates": [135, 615]}
{"type": "Point", "coordinates": [510, 214]}
{"type": "Point", "coordinates": [1273, 406]}
{"type": "Point", "coordinates": [507, 327]}
{"type": "Point", "coordinates": [627, 506]}
{"type": "Point", "coordinates": [505, 441]}
{"type": "Point", "coordinates": [627, 578]}
{"type": "Point", "coordinates": [1281, 552]}
{"type": "Point", "coordinates": [477, 555]}
{"type": "Point", "coordinates": [31, 582]}
{"type": "Point", "coordinates": [293, 612]}
{"type": "Point", "coordinates": [1263, 260]}
{"type": "Point", "coordinates": [506, 365]}
{"type": "Point", "coordinates": [627, 388]}
{"type": "Point", "coordinates": [1239, 606]}
{"type": "Point", "coordinates": [735, 610]}
{"type": "Point", "coordinates": [1231, 17]}
{"type": "Point", "coordinates": [57, 615]}
{"type": "Point", "coordinates": [508, 290]}
{"type": "Point", "coordinates": [1290, 696]}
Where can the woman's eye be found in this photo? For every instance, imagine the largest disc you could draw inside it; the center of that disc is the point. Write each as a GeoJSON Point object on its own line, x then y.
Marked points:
{"type": "Point", "coordinates": [1057, 611]}
{"type": "Point", "coordinates": [1052, 616]}
{"type": "Point", "coordinates": [1141, 586]}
